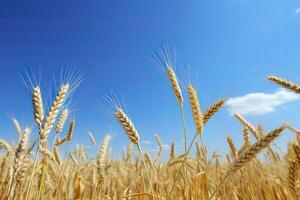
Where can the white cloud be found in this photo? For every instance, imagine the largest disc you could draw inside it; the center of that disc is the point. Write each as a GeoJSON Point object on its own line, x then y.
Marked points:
{"type": "Point", "coordinates": [146, 142]}
{"type": "Point", "coordinates": [297, 11]}
{"type": "Point", "coordinates": [260, 103]}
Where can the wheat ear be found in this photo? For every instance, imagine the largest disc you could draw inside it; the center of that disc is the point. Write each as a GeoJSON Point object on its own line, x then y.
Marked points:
{"type": "Point", "coordinates": [53, 112]}
{"type": "Point", "coordinates": [17, 127]}
{"type": "Point", "coordinates": [212, 110]}
{"type": "Point", "coordinates": [20, 154]}
{"type": "Point", "coordinates": [61, 121]}
{"type": "Point", "coordinates": [69, 136]}
{"type": "Point", "coordinates": [100, 161]}
{"type": "Point", "coordinates": [285, 83]}
{"type": "Point", "coordinates": [256, 148]}
{"type": "Point", "coordinates": [56, 154]}
{"type": "Point", "coordinates": [297, 153]}
{"type": "Point", "coordinates": [127, 125]}
{"type": "Point", "coordinates": [246, 124]}
{"type": "Point", "coordinates": [133, 136]}
{"type": "Point", "coordinates": [250, 153]}
{"type": "Point", "coordinates": [37, 103]}
{"type": "Point", "coordinates": [292, 177]}
{"type": "Point", "coordinates": [292, 170]}
{"type": "Point", "coordinates": [129, 151]}
{"type": "Point", "coordinates": [175, 85]}
{"type": "Point", "coordinates": [247, 142]}
{"type": "Point", "coordinates": [71, 130]}
{"type": "Point", "coordinates": [6, 146]}
{"type": "Point", "coordinates": [196, 111]}
{"type": "Point", "coordinates": [232, 147]}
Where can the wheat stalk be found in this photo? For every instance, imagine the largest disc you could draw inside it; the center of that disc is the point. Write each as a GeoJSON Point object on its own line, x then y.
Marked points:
{"type": "Point", "coordinates": [92, 139]}
{"type": "Point", "coordinates": [172, 151]}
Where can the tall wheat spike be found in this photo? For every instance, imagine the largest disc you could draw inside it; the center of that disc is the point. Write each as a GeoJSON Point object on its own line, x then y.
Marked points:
{"type": "Point", "coordinates": [196, 111]}
{"type": "Point", "coordinates": [52, 114]}
{"type": "Point", "coordinates": [20, 152]}
{"type": "Point", "coordinates": [292, 177]}
{"type": "Point", "coordinates": [129, 151]}
{"type": "Point", "coordinates": [246, 137]}
{"type": "Point", "coordinates": [100, 161]}
{"type": "Point", "coordinates": [250, 153]}
{"type": "Point", "coordinates": [212, 110]}
{"type": "Point", "coordinates": [61, 121]}
{"type": "Point", "coordinates": [37, 103]}
{"type": "Point", "coordinates": [71, 130]}
{"type": "Point", "coordinates": [133, 136]}
{"type": "Point", "coordinates": [247, 141]}
{"type": "Point", "coordinates": [21, 175]}
{"type": "Point", "coordinates": [285, 83]}
{"type": "Point", "coordinates": [127, 125]}
{"type": "Point", "coordinates": [292, 171]}
{"type": "Point", "coordinates": [232, 147]}
{"type": "Point", "coordinates": [17, 127]}
{"type": "Point", "coordinates": [20, 155]}
{"type": "Point", "coordinates": [45, 130]}
{"type": "Point", "coordinates": [175, 85]}
{"type": "Point", "coordinates": [296, 148]}
{"type": "Point", "coordinates": [160, 146]}
{"type": "Point", "coordinates": [56, 154]}
{"type": "Point", "coordinates": [5, 145]}
{"type": "Point", "coordinates": [256, 148]}
{"type": "Point", "coordinates": [246, 124]}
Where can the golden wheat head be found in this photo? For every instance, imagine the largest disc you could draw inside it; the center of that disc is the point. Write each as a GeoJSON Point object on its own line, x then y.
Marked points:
{"type": "Point", "coordinates": [196, 111]}
{"type": "Point", "coordinates": [212, 110]}
{"type": "Point", "coordinates": [175, 85]}
{"type": "Point", "coordinates": [37, 103]}
{"type": "Point", "coordinates": [127, 125]}
{"type": "Point", "coordinates": [285, 83]}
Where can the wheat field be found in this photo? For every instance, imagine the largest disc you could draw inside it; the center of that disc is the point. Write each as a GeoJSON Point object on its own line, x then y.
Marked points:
{"type": "Point", "coordinates": [33, 169]}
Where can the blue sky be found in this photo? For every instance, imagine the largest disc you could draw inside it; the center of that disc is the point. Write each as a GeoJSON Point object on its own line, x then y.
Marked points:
{"type": "Point", "coordinates": [230, 46]}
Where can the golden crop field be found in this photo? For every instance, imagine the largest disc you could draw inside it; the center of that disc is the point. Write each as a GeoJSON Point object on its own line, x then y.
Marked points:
{"type": "Point", "coordinates": [33, 169]}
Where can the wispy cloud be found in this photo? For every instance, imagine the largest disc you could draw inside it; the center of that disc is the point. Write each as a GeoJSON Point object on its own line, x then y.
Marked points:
{"type": "Point", "coordinates": [260, 103]}
{"type": "Point", "coordinates": [297, 11]}
{"type": "Point", "coordinates": [146, 142]}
